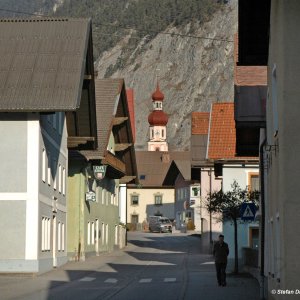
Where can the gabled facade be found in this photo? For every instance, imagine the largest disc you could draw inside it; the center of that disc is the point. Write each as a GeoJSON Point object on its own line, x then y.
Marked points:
{"type": "Point", "coordinates": [202, 172]}
{"type": "Point", "coordinates": [229, 166]}
{"type": "Point", "coordinates": [150, 197]}
{"type": "Point", "coordinates": [38, 85]}
{"type": "Point", "coordinates": [95, 176]}
{"type": "Point", "coordinates": [179, 176]}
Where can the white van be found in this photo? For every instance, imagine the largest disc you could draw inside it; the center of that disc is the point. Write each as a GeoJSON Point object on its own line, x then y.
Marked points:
{"type": "Point", "coordinates": [159, 224]}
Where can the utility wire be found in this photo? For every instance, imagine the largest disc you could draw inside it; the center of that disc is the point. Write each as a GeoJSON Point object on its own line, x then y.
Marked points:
{"type": "Point", "coordinates": [23, 12]}
{"type": "Point", "coordinates": [168, 33]}
{"type": "Point", "coordinates": [129, 28]}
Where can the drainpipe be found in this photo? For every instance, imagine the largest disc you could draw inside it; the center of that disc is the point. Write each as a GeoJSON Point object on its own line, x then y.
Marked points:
{"type": "Point", "coordinates": [263, 212]}
{"type": "Point", "coordinates": [210, 217]}
{"type": "Point", "coordinates": [81, 194]}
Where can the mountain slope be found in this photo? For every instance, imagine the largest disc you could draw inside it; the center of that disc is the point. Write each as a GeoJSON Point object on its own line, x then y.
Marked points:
{"type": "Point", "coordinates": [132, 40]}
{"type": "Point", "coordinates": [193, 72]}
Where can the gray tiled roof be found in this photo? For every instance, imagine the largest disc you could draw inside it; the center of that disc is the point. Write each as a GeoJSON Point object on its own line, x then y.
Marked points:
{"type": "Point", "coordinates": [110, 98]}
{"type": "Point", "coordinates": [107, 99]}
{"type": "Point", "coordinates": [184, 166]}
{"type": "Point", "coordinates": [42, 63]}
{"type": "Point", "coordinates": [154, 165]}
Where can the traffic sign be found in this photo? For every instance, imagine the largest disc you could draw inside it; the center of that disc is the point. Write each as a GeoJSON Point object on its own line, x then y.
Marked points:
{"type": "Point", "coordinates": [247, 211]}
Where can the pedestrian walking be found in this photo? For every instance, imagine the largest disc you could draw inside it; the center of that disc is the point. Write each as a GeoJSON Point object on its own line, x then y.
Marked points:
{"type": "Point", "coordinates": [220, 252]}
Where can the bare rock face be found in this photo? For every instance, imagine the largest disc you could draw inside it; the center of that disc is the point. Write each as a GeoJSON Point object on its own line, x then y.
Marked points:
{"type": "Point", "coordinates": [195, 69]}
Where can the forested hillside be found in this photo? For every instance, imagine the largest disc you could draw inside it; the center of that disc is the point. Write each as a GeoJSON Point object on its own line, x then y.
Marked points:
{"type": "Point", "coordinates": [112, 19]}
{"type": "Point", "coordinates": [19, 8]}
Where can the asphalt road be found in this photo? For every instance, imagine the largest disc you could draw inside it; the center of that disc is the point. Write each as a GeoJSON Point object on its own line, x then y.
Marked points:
{"type": "Point", "coordinates": [153, 266]}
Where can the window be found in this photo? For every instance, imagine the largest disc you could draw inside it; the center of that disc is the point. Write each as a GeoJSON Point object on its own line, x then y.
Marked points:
{"type": "Point", "coordinates": [102, 196]}
{"type": "Point", "coordinates": [59, 237]}
{"type": "Point", "coordinates": [195, 191]}
{"type": "Point", "coordinates": [162, 133]}
{"type": "Point", "coordinates": [112, 199]}
{"type": "Point", "coordinates": [103, 233]}
{"type": "Point", "coordinates": [54, 173]}
{"type": "Point", "coordinates": [89, 233]}
{"type": "Point", "coordinates": [142, 177]}
{"type": "Point", "coordinates": [44, 165]}
{"type": "Point", "coordinates": [64, 181]}
{"type": "Point", "coordinates": [48, 234]}
{"type": "Point", "coordinates": [117, 196]}
{"type": "Point", "coordinates": [62, 237]}
{"type": "Point", "coordinates": [43, 234]}
{"type": "Point", "coordinates": [93, 233]}
{"type": "Point", "coordinates": [253, 238]}
{"type": "Point", "coordinates": [49, 169]}
{"type": "Point", "coordinates": [134, 200]}
{"type": "Point", "coordinates": [106, 234]}
{"type": "Point", "coordinates": [180, 194]}
{"type": "Point", "coordinates": [59, 178]}
{"type": "Point", "coordinates": [116, 234]}
{"type": "Point", "coordinates": [158, 199]}
{"type": "Point", "coordinates": [45, 239]}
{"type": "Point", "coordinates": [253, 181]}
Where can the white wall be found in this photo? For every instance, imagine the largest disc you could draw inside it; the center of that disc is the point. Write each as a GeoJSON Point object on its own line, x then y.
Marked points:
{"type": "Point", "coordinates": [238, 173]}
{"type": "Point", "coordinates": [146, 205]}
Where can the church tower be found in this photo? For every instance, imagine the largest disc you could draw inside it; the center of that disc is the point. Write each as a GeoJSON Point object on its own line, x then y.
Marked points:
{"type": "Point", "coordinates": [158, 121]}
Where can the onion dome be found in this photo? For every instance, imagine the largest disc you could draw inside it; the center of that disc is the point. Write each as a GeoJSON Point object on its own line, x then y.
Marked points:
{"type": "Point", "coordinates": [158, 95]}
{"type": "Point", "coordinates": [158, 118]}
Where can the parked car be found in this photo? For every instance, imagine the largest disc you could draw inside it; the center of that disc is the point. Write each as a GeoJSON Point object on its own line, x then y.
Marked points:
{"type": "Point", "coordinates": [159, 224]}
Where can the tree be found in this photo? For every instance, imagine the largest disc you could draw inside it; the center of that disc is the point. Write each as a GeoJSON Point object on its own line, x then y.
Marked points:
{"type": "Point", "coordinates": [228, 204]}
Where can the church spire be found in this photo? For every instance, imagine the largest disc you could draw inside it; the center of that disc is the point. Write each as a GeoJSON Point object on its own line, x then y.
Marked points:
{"type": "Point", "coordinates": [158, 120]}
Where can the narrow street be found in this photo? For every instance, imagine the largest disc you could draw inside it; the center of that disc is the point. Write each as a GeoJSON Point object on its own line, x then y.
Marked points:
{"type": "Point", "coordinates": [152, 266]}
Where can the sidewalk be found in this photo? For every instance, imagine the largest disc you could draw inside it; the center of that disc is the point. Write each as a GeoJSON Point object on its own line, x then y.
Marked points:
{"type": "Point", "coordinates": [19, 286]}
{"type": "Point", "coordinates": [238, 287]}
{"type": "Point", "coordinates": [202, 281]}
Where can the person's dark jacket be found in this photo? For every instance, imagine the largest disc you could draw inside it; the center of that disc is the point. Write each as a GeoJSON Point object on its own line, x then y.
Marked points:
{"type": "Point", "coordinates": [220, 252]}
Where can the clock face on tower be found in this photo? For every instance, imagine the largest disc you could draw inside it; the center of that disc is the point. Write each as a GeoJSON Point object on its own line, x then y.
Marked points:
{"type": "Point", "coordinates": [157, 132]}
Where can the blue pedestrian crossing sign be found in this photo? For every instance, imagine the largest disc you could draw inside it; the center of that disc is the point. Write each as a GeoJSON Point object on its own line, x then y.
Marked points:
{"type": "Point", "coordinates": [247, 211]}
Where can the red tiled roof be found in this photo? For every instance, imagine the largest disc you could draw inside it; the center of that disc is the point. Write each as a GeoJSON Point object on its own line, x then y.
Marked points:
{"type": "Point", "coordinates": [200, 122]}
{"type": "Point", "coordinates": [248, 75]}
{"type": "Point", "coordinates": [222, 133]}
{"type": "Point", "coordinates": [130, 100]}
{"type": "Point", "coordinates": [222, 136]}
